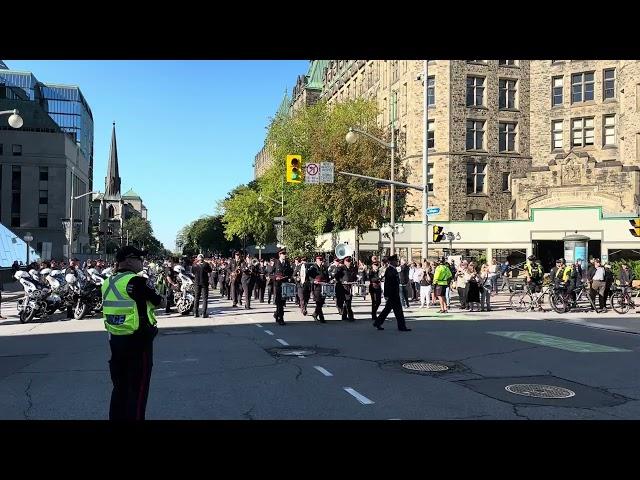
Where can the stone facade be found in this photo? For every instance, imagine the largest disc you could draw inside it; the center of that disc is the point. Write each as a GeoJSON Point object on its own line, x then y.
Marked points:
{"type": "Point", "coordinates": [262, 161]}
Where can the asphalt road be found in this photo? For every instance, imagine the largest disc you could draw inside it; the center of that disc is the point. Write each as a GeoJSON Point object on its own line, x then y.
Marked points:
{"type": "Point", "coordinates": [228, 366]}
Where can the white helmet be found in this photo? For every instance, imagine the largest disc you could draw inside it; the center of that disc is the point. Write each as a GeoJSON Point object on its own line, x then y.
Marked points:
{"type": "Point", "coordinates": [34, 273]}
{"type": "Point", "coordinates": [55, 272]}
{"type": "Point", "coordinates": [91, 271]}
{"type": "Point", "coordinates": [178, 269]}
{"type": "Point", "coordinates": [45, 271]}
{"type": "Point", "coordinates": [20, 274]}
{"type": "Point", "coordinates": [70, 278]}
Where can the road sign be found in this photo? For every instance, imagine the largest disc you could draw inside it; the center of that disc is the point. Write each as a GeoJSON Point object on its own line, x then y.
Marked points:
{"type": "Point", "coordinates": [312, 173]}
{"type": "Point", "coordinates": [635, 223]}
{"type": "Point", "coordinates": [433, 211]}
{"type": "Point", "coordinates": [326, 172]}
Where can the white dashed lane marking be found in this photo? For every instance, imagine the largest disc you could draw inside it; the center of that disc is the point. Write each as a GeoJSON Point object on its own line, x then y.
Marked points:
{"type": "Point", "coordinates": [358, 396]}
{"type": "Point", "coordinates": [268, 332]}
{"type": "Point", "coordinates": [282, 342]}
{"type": "Point", "coordinates": [324, 371]}
{"type": "Point", "coordinates": [258, 325]}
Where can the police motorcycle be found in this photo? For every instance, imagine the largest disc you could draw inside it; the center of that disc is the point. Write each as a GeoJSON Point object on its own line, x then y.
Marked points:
{"type": "Point", "coordinates": [87, 293]}
{"type": "Point", "coordinates": [184, 298]}
{"type": "Point", "coordinates": [38, 301]}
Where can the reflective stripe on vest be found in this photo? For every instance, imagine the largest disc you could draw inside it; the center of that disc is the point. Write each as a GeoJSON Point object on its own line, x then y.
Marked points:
{"type": "Point", "coordinates": [121, 315]}
{"type": "Point", "coordinates": [111, 288]}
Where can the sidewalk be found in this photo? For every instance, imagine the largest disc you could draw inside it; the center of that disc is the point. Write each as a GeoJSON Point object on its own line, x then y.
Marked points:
{"type": "Point", "coordinates": [12, 291]}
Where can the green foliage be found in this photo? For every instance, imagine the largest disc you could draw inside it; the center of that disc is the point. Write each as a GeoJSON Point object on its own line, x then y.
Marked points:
{"type": "Point", "coordinates": [634, 266]}
{"type": "Point", "coordinates": [206, 234]}
{"type": "Point", "coordinates": [140, 234]}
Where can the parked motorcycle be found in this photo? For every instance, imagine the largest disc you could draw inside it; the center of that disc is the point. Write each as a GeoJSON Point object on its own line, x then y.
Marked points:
{"type": "Point", "coordinates": [185, 297]}
{"type": "Point", "coordinates": [38, 301]}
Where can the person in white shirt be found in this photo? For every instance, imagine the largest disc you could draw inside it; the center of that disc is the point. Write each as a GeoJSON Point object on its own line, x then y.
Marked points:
{"type": "Point", "coordinates": [424, 277]}
{"type": "Point", "coordinates": [493, 276]}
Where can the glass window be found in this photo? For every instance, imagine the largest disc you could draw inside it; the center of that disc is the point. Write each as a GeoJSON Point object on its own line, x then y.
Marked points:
{"type": "Point", "coordinates": [17, 150]}
{"type": "Point", "coordinates": [475, 215]}
{"type": "Point", "coordinates": [475, 91]}
{"type": "Point", "coordinates": [557, 137]}
{"type": "Point", "coordinates": [556, 91]}
{"type": "Point", "coordinates": [15, 219]}
{"type": "Point", "coordinates": [44, 173]}
{"type": "Point", "coordinates": [582, 85]}
{"type": "Point", "coordinates": [475, 134]}
{"type": "Point", "coordinates": [507, 97]}
{"type": "Point", "coordinates": [1, 149]}
{"type": "Point", "coordinates": [15, 203]}
{"type": "Point", "coordinates": [609, 130]}
{"type": "Point", "coordinates": [431, 91]}
{"type": "Point", "coordinates": [44, 197]}
{"type": "Point", "coordinates": [507, 136]}
{"type": "Point", "coordinates": [581, 132]}
{"type": "Point", "coordinates": [476, 177]}
{"type": "Point", "coordinates": [431, 134]}
{"type": "Point", "coordinates": [506, 181]}
{"type": "Point", "coordinates": [609, 84]}
{"type": "Point", "coordinates": [508, 62]}
{"type": "Point", "coordinates": [16, 178]}
{"type": "Point", "coordinates": [430, 177]}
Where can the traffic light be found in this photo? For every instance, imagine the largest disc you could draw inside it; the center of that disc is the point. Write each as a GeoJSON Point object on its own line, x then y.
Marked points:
{"type": "Point", "coordinates": [294, 168]}
{"type": "Point", "coordinates": [635, 223]}
{"type": "Point", "coordinates": [438, 234]}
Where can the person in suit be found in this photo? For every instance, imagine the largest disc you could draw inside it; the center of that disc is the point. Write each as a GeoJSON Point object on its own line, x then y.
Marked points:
{"type": "Point", "coordinates": [282, 272]}
{"type": "Point", "coordinates": [392, 296]}
{"type": "Point", "coordinates": [201, 271]}
{"type": "Point", "coordinates": [318, 273]}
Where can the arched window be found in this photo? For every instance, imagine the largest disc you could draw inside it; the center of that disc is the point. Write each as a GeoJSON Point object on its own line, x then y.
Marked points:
{"type": "Point", "coordinates": [476, 215]}
{"type": "Point", "coordinates": [111, 212]}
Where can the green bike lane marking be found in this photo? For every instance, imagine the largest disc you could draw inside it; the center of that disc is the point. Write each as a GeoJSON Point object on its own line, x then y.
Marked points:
{"type": "Point", "coordinates": [558, 342]}
{"type": "Point", "coordinates": [434, 315]}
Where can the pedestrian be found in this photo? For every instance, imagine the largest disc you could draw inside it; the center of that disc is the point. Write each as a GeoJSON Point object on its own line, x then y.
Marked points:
{"type": "Point", "coordinates": [486, 287]}
{"type": "Point", "coordinates": [201, 271]}
{"type": "Point", "coordinates": [462, 278]}
{"type": "Point", "coordinates": [493, 276]}
{"type": "Point", "coordinates": [1, 290]}
{"type": "Point", "coordinates": [441, 279]}
{"type": "Point", "coordinates": [596, 277]}
{"type": "Point", "coordinates": [412, 282]}
{"type": "Point", "coordinates": [317, 272]}
{"type": "Point", "coordinates": [405, 282]}
{"type": "Point", "coordinates": [392, 296]}
{"type": "Point", "coordinates": [425, 280]}
{"type": "Point", "coordinates": [473, 288]}
{"type": "Point", "coordinates": [375, 287]}
{"type": "Point", "coordinates": [282, 272]}
{"type": "Point", "coordinates": [505, 271]}
{"type": "Point", "coordinates": [129, 317]}
{"type": "Point", "coordinates": [608, 281]}
{"type": "Point", "coordinates": [626, 277]}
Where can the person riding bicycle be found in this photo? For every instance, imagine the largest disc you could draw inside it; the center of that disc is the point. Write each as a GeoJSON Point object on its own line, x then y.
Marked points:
{"type": "Point", "coordinates": [534, 274]}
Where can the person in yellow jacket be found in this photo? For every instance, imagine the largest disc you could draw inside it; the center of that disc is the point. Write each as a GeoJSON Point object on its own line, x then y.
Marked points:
{"type": "Point", "coordinates": [129, 317]}
{"type": "Point", "coordinates": [441, 280]}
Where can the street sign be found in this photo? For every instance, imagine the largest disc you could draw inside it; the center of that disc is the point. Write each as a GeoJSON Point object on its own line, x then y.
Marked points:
{"type": "Point", "coordinates": [280, 219]}
{"type": "Point", "coordinates": [326, 172]}
{"type": "Point", "coordinates": [312, 173]}
{"type": "Point", "coordinates": [635, 223]}
{"type": "Point", "coordinates": [433, 211]}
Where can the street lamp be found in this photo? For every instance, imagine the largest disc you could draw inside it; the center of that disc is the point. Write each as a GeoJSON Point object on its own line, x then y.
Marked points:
{"type": "Point", "coordinates": [351, 138]}
{"type": "Point", "coordinates": [261, 198]}
{"type": "Point", "coordinates": [71, 221]}
{"type": "Point", "coordinates": [28, 238]}
{"type": "Point", "coordinates": [15, 120]}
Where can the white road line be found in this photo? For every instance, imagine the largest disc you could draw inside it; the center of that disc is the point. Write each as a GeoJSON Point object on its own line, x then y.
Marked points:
{"type": "Point", "coordinates": [258, 325]}
{"type": "Point", "coordinates": [361, 398]}
{"type": "Point", "coordinates": [282, 342]}
{"type": "Point", "coordinates": [300, 356]}
{"type": "Point", "coordinates": [268, 332]}
{"type": "Point", "coordinates": [324, 371]}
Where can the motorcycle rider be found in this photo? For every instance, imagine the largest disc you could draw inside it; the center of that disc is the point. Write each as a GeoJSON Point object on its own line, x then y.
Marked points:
{"type": "Point", "coordinates": [73, 269]}
{"type": "Point", "coordinates": [171, 277]}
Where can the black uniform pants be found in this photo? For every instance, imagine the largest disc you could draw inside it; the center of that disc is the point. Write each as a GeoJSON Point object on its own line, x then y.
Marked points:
{"type": "Point", "coordinates": [170, 300]}
{"type": "Point", "coordinates": [376, 300]}
{"type": "Point", "coordinates": [261, 285]}
{"type": "Point", "coordinates": [319, 299]}
{"type": "Point", "coordinates": [246, 291]}
{"type": "Point", "coordinates": [130, 366]}
{"type": "Point", "coordinates": [304, 293]}
{"type": "Point", "coordinates": [279, 300]}
{"type": "Point", "coordinates": [270, 291]}
{"type": "Point", "coordinates": [236, 292]}
{"type": "Point", "coordinates": [201, 290]}
{"type": "Point", "coordinates": [344, 298]}
{"type": "Point", "coordinates": [393, 303]}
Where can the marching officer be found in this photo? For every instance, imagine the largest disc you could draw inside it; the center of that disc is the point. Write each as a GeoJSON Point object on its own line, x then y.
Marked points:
{"type": "Point", "coordinates": [129, 317]}
{"type": "Point", "coordinates": [247, 281]}
{"type": "Point", "coordinates": [282, 272]}
{"type": "Point", "coordinates": [296, 277]}
{"type": "Point", "coordinates": [392, 295]}
{"type": "Point", "coordinates": [318, 272]}
{"type": "Point", "coordinates": [201, 271]}
{"type": "Point", "coordinates": [269, 277]}
{"type": "Point", "coordinates": [303, 287]}
{"type": "Point", "coordinates": [348, 273]}
{"type": "Point", "coordinates": [234, 272]}
{"type": "Point", "coordinates": [332, 270]}
{"type": "Point", "coordinates": [261, 282]}
{"type": "Point", "coordinates": [375, 287]}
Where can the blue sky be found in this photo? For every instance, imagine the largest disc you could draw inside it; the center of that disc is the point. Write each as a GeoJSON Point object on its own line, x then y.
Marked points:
{"type": "Point", "coordinates": [187, 131]}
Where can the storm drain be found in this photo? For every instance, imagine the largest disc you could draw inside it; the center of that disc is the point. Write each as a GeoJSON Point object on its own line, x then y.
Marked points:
{"type": "Point", "coordinates": [293, 352]}
{"type": "Point", "coordinates": [539, 391]}
{"type": "Point", "coordinates": [425, 367]}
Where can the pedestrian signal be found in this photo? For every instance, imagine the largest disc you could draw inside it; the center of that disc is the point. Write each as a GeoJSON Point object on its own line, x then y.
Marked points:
{"type": "Point", "coordinates": [438, 234]}
{"type": "Point", "coordinates": [294, 168]}
{"type": "Point", "coordinates": [635, 223]}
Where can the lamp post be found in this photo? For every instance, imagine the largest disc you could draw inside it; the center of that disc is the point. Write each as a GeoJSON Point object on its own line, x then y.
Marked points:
{"type": "Point", "coordinates": [451, 237]}
{"type": "Point", "coordinates": [28, 238]}
{"type": "Point", "coordinates": [73, 198]}
{"type": "Point", "coordinates": [351, 138]}
{"type": "Point", "coordinates": [15, 120]}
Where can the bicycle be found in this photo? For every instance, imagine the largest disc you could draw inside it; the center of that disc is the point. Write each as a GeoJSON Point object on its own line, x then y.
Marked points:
{"type": "Point", "coordinates": [529, 300]}
{"type": "Point", "coordinates": [562, 302]}
{"type": "Point", "coordinates": [622, 299]}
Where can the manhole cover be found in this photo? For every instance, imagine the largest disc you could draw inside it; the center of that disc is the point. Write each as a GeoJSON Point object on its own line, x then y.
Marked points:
{"type": "Point", "coordinates": [425, 367]}
{"type": "Point", "coordinates": [293, 351]}
{"type": "Point", "coordinates": [175, 332]}
{"type": "Point", "coordinates": [539, 391]}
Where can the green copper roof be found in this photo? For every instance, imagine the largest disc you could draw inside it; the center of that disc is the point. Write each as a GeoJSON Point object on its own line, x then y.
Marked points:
{"type": "Point", "coordinates": [283, 109]}
{"type": "Point", "coordinates": [131, 194]}
{"type": "Point", "coordinates": [314, 75]}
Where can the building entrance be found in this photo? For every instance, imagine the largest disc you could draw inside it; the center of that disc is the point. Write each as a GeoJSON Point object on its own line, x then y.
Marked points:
{"type": "Point", "coordinates": [548, 251]}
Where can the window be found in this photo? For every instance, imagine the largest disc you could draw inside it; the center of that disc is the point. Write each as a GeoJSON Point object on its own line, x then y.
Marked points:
{"type": "Point", "coordinates": [609, 130]}
{"type": "Point", "coordinates": [431, 91]}
{"type": "Point", "coordinates": [111, 212]}
{"type": "Point", "coordinates": [394, 71]}
{"type": "Point", "coordinates": [44, 197]}
{"type": "Point", "coordinates": [42, 220]}
{"type": "Point", "coordinates": [556, 91]}
{"type": "Point", "coordinates": [507, 136]}
{"type": "Point", "coordinates": [506, 181]}
{"type": "Point", "coordinates": [476, 61]}
{"type": "Point", "coordinates": [475, 91]}
{"type": "Point", "coordinates": [609, 84]}
{"type": "Point", "coordinates": [475, 177]}
{"type": "Point", "coordinates": [44, 174]}
{"type": "Point", "coordinates": [431, 139]}
{"type": "Point", "coordinates": [16, 178]}
{"type": "Point", "coordinates": [476, 215]}
{"type": "Point", "coordinates": [508, 62]}
{"type": "Point", "coordinates": [394, 107]}
{"type": "Point", "coordinates": [17, 150]}
{"type": "Point", "coordinates": [1, 149]}
{"type": "Point", "coordinates": [430, 177]}
{"type": "Point", "coordinates": [582, 87]}
{"type": "Point", "coordinates": [557, 136]}
{"type": "Point", "coordinates": [15, 219]}
{"type": "Point", "coordinates": [507, 97]}
{"type": "Point", "coordinates": [581, 132]}
{"type": "Point", "coordinates": [475, 134]}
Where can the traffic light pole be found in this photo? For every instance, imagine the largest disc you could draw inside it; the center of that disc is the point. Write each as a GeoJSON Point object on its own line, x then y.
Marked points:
{"type": "Point", "coordinates": [425, 164]}
{"type": "Point", "coordinates": [392, 201]}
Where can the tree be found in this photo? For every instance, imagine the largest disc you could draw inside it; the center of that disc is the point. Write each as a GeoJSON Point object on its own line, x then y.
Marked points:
{"type": "Point", "coordinates": [206, 234]}
{"type": "Point", "coordinates": [139, 233]}
{"type": "Point", "coordinates": [246, 215]}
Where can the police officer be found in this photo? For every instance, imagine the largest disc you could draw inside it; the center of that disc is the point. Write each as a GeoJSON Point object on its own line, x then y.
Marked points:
{"type": "Point", "coordinates": [261, 280]}
{"type": "Point", "coordinates": [282, 272]}
{"type": "Point", "coordinates": [375, 287]}
{"type": "Point", "coordinates": [303, 288]}
{"type": "Point", "coordinates": [269, 278]}
{"type": "Point", "coordinates": [201, 271]}
{"type": "Point", "coordinates": [234, 271]}
{"type": "Point", "coordinates": [332, 270]}
{"type": "Point", "coordinates": [296, 277]}
{"type": "Point", "coordinates": [318, 272]}
{"type": "Point", "coordinates": [74, 269]}
{"type": "Point", "coordinates": [129, 317]}
{"type": "Point", "coordinates": [171, 278]}
{"type": "Point", "coordinates": [392, 295]}
{"type": "Point", "coordinates": [247, 281]}
{"type": "Point", "coordinates": [534, 274]}
{"type": "Point", "coordinates": [348, 273]}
